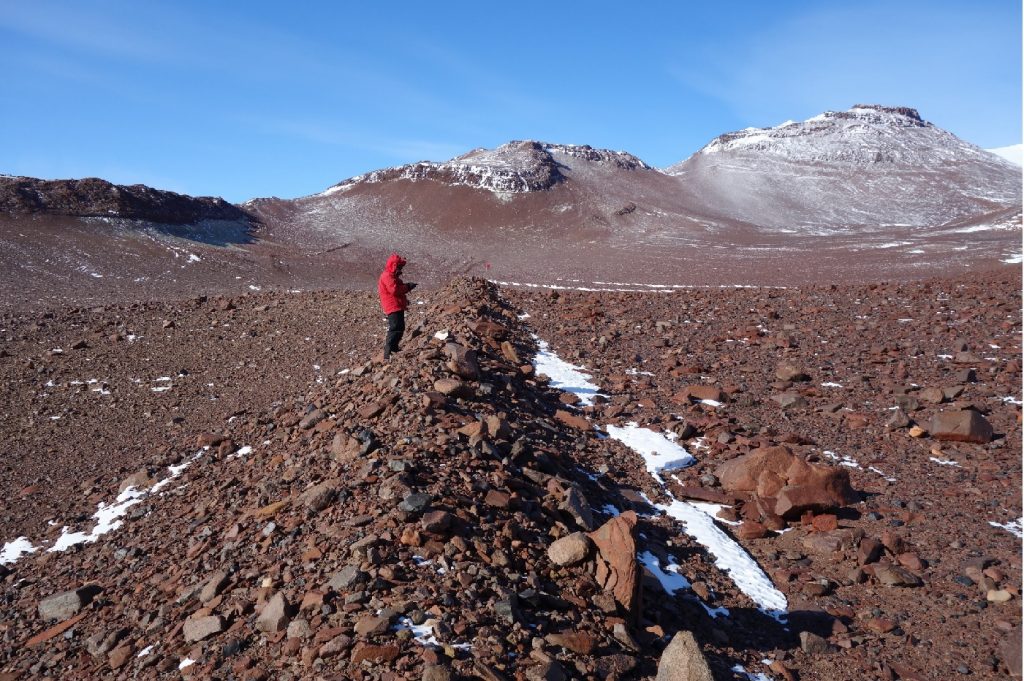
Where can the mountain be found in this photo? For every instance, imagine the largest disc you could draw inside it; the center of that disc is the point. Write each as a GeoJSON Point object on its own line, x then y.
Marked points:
{"type": "Point", "coordinates": [1013, 153]}
{"type": "Point", "coordinates": [870, 193]}
{"type": "Point", "coordinates": [869, 167]}
{"type": "Point", "coordinates": [92, 197]}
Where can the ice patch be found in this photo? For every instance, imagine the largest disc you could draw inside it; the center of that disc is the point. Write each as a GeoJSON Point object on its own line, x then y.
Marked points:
{"type": "Point", "coordinates": [673, 580]}
{"type": "Point", "coordinates": [108, 516]}
{"type": "Point", "coordinates": [424, 634]}
{"type": "Point", "coordinates": [944, 462]}
{"type": "Point", "coordinates": [659, 453]}
{"type": "Point", "coordinates": [750, 676]}
{"type": "Point", "coordinates": [562, 375]}
{"type": "Point", "coordinates": [831, 385]}
{"type": "Point", "coordinates": [843, 460]}
{"type": "Point", "coordinates": [1014, 527]}
{"type": "Point", "coordinates": [875, 470]}
{"type": "Point", "coordinates": [160, 388]}
{"type": "Point", "coordinates": [187, 662]}
{"type": "Point", "coordinates": [711, 403]}
{"type": "Point", "coordinates": [145, 651]}
{"type": "Point", "coordinates": [15, 549]}
{"type": "Point", "coordinates": [1010, 399]}
{"type": "Point", "coordinates": [729, 556]}
{"type": "Point", "coordinates": [1014, 259]}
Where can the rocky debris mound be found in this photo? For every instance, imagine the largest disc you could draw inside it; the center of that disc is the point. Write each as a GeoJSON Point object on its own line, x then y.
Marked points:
{"type": "Point", "coordinates": [377, 525]}
{"type": "Point", "coordinates": [92, 197]}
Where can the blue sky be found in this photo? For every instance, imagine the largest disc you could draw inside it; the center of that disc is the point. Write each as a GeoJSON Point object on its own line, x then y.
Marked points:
{"type": "Point", "coordinates": [246, 99]}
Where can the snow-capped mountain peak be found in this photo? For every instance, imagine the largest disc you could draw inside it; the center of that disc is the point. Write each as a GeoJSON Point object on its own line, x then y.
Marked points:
{"type": "Point", "coordinates": [512, 168]}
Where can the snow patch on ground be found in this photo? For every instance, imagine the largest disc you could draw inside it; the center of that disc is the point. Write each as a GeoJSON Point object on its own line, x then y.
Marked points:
{"type": "Point", "coordinates": [562, 375]}
{"type": "Point", "coordinates": [751, 676]}
{"type": "Point", "coordinates": [424, 634]}
{"type": "Point", "coordinates": [15, 549]}
{"type": "Point", "coordinates": [672, 580]}
{"type": "Point", "coordinates": [108, 517]}
{"type": "Point", "coordinates": [660, 454]}
{"type": "Point", "coordinates": [1014, 527]}
{"type": "Point", "coordinates": [729, 556]}
{"type": "Point", "coordinates": [944, 462]}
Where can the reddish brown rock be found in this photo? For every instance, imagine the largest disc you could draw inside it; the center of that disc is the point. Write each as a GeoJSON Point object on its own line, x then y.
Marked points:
{"type": "Point", "coordinates": [364, 651]}
{"type": "Point", "coordinates": [572, 420]}
{"type": "Point", "coordinates": [617, 568]}
{"type": "Point", "coordinates": [966, 425]}
{"type": "Point", "coordinates": [578, 642]}
{"type": "Point", "coordinates": [796, 486]}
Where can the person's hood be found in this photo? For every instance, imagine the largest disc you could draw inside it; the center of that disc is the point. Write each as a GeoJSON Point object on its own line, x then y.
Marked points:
{"type": "Point", "coordinates": [394, 262]}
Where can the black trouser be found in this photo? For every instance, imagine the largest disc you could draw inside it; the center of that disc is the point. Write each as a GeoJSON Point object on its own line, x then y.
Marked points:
{"type": "Point", "coordinates": [396, 327]}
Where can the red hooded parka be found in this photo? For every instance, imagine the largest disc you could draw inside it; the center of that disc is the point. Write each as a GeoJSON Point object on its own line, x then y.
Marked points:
{"type": "Point", "coordinates": [392, 290]}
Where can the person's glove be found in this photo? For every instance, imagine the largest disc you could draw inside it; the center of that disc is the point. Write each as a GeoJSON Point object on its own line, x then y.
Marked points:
{"type": "Point", "coordinates": [410, 285]}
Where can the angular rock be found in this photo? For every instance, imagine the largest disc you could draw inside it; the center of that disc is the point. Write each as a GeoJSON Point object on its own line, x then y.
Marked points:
{"type": "Point", "coordinates": [572, 420]}
{"type": "Point", "coordinates": [349, 576]}
{"type": "Point", "coordinates": [579, 508]}
{"type": "Point", "coordinates": [452, 387]}
{"type": "Point", "coordinates": [318, 497]}
{"type": "Point", "coordinates": [617, 569]}
{"type": "Point", "coordinates": [892, 575]}
{"type": "Point", "coordinates": [365, 651]}
{"type": "Point", "coordinates": [966, 425]}
{"type": "Point", "coordinates": [796, 486]}
{"type": "Point", "coordinates": [416, 503]}
{"type": "Point", "coordinates": [436, 521]}
{"type": "Point", "coordinates": [788, 372]}
{"type": "Point", "coordinates": [198, 628]}
{"type": "Point", "coordinates": [274, 617]}
{"type": "Point", "coordinates": [1010, 652]}
{"type": "Point", "coordinates": [578, 642]}
{"type": "Point", "coordinates": [812, 644]}
{"type": "Point", "coordinates": [789, 401]}
{"type": "Point", "coordinates": [462, 361]}
{"type": "Point", "coordinates": [63, 605]}
{"type": "Point", "coordinates": [683, 660]}
{"type": "Point", "coordinates": [214, 585]}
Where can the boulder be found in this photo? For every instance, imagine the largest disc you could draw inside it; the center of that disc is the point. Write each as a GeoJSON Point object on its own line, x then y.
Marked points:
{"type": "Point", "coordinates": [274, 617]}
{"type": "Point", "coordinates": [683, 660]}
{"type": "Point", "coordinates": [570, 550]}
{"type": "Point", "coordinates": [462, 361]}
{"type": "Point", "coordinates": [795, 485]}
{"type": "Point", "coordinates": [63, 605]}
{"type": "Point", "coordinates": [198, 628]}
{"type": "Point", "coordinates": [965, 425]}
{"type": "Point", "coordinates": [617, 568]}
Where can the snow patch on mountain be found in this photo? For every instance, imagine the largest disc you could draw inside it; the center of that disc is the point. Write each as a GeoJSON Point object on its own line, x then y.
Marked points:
{"type": "Point", "coordinates": [1013, 153]}
{"type": "Point", "coordinates": [513, 168]}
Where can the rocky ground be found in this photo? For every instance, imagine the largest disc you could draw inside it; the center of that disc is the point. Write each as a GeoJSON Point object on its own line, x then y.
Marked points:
{"type": "Point", "coordinates": [450, 514]}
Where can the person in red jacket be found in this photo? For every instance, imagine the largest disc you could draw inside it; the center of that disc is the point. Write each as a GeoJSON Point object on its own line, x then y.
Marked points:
{"type": "Point", "coordinates": [393, 301]}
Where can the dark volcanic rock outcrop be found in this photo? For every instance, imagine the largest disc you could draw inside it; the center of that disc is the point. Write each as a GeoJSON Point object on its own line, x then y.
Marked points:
{"type": "Point", "coordinates": [92, 197]}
